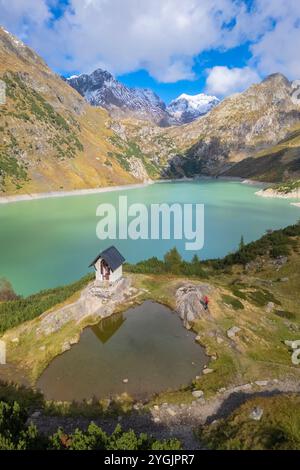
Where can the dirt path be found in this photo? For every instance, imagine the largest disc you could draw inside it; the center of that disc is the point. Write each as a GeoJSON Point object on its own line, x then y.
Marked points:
{"type": "Point", "coordinates": [167, 421]}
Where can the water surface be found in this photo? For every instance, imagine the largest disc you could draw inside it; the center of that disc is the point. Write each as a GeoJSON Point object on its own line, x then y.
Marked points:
{"type": "Point", "coordinates": [50, 242]}
{"type": "Point", "coordinates": [147, 345]}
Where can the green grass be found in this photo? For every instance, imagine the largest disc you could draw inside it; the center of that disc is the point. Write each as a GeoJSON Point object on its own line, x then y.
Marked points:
{"type": "Point", "coordinates": [278, 429]}
{"type": "Point", "coordinates": [30, 106]}
{"type": "Point", "coordinates": [15, 312]}
{"type": "Point", "coordinates": [233, 302]}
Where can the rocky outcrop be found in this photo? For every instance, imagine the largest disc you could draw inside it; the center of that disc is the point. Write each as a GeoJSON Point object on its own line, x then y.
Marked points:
{"type": "Point", "coordinates": [271, 192]}
{"type": "Point", "coordinates": [94, 301]}
{"type": "Point", "coordinates": [137, 169]}
{"type": "Point", "coordinates": [231, 333]}
{"type": "Point", "coordinates": [190, 303]}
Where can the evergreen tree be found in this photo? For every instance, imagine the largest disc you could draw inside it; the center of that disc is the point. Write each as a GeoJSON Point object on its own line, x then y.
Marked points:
{"type": "Point", "coordinates": [242, 243]}
{"type": "Point", "coordinates": [173, 261]}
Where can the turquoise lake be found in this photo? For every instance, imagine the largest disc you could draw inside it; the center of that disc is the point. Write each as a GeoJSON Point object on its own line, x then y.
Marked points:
{"type": "Point", "coordinates": [49, 242]}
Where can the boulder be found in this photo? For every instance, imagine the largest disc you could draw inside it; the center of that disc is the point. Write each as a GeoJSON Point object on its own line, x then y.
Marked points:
{"type": "Point", "coordinates": [296, 357]}
{"type": "Point", "coordinates": [256, 413]}
{"type": "Point", "coordinates": [261, 383]}
{"type": "Point", "coordinates": [189, 303]}
{"type": "Point", "coordinates": [270, 307]}
{"type": "Point", "coordinates": [197, 393]}
{"type": "Point", "coordinates": [232, 332]}
{"type": "Point", "coordinates": [293, 344]}
{"type": "Point", "coordinates": [207, 371]}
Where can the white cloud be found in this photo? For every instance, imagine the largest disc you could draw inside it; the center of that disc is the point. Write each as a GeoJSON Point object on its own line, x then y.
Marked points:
{"type": "Point", "coordinates": [126, 35]}
{"type": "Point", "coordinates": [222, 81]}
{"type": "Point", "coordinates": [278, 49]}
{"type": "Point", "coordinates": [161, 36]}
{"type": "Point", "coordinates": [20, 17]}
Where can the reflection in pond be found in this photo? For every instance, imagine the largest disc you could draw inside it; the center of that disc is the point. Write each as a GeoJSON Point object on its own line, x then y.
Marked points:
{"type": "Point", "coordinates": [108, 327]}
{"type": "Point", "coordinates": [146, 345]}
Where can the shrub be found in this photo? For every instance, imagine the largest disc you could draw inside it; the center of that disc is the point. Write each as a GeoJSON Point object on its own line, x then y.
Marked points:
{"type": "Point", "coordinates": [233, 302]}
{"type": "Point", "coordinates": [14, 312]}
{"type": "Point", "coordinates": [16, 434]}
{"type": "Point", "coordinates": [6, 291]}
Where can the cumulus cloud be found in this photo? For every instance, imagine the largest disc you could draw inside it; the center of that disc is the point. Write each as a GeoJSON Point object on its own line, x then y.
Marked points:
{"type": "Point", "coordinates": [125, 35]}
{"type": "Point", "coordinates": [23, 17]}
{"type": "Point", "coordinates": [163, 37]}
{"type": "Point", "coordinates": [222, 81]}
{"type": "Point", "coordinates": [278, 49]}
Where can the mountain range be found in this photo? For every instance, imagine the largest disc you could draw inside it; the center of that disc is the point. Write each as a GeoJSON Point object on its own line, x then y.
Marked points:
{"type": "Point", "coordinates": [101, 89]}
{"type": "Point", "coordinates": [52, 138]}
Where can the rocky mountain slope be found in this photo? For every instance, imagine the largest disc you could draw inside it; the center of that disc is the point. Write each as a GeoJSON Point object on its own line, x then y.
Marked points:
{"type": "Point", "coordinates": [101, 89]}
{"type": "Point", "coordinates": [250, 134]}
{"type": "Point", "coordinates": [51, 138]}
{"type": "Point", "coordinates": [187, 108]}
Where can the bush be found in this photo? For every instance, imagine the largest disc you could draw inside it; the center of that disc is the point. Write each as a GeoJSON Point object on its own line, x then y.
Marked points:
{"type": "Point", "coordinates": [14, 312]}
{"type": "Point", "coordinates": [16, 434]}
{"type": "Point", "coordinates": [273, 244]}
{"type": "Point", "coordinates": [172, 264]}
{"type": "Point", "coordinates": [233, 302]}
{"type": "Point", "coordinates": [6, 291]}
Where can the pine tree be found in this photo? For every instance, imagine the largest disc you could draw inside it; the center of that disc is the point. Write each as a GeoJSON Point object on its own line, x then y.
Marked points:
{"type": "Point", "coordinates": [242, 243]}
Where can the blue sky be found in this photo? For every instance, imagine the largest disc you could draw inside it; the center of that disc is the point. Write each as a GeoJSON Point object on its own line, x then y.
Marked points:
{"type": "Point", "coordinates": [236, 57]}
{"type": "Point", "coordinates": [172, 46]}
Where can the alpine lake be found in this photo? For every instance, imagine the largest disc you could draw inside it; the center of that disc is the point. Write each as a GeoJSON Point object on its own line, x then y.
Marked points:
{"type": "Point", "coordinates": [145, 350]}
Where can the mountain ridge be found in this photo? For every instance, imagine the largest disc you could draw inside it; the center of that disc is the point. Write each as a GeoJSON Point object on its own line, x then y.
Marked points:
{"type": "Point", "coordinates": [100, 88]}
{"type": "Point", "coordinates": [51, 138]}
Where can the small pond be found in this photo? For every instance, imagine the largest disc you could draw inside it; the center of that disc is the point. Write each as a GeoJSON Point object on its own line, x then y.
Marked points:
{"type": "Point", "coordinates": [147, 345]}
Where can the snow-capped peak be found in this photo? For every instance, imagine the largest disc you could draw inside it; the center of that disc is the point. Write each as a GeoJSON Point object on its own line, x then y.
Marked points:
{"type": "Point", "coordinates": [186, 107]}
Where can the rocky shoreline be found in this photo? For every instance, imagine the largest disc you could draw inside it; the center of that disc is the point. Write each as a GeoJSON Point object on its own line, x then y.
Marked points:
{"type": "Point", "coordinates": [273, 193]}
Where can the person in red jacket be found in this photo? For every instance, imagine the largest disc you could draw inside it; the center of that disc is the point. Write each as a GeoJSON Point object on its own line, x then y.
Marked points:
{"type": "Point", "coordinates": [205, 302]}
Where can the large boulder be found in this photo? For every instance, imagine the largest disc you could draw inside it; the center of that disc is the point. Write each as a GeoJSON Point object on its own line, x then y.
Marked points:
{"type": "Point", "coordinates": [190, 303]}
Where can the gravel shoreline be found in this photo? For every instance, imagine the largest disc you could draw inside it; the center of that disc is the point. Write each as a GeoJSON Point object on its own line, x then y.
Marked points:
{"type": "Point", "coordinates": [75, 192]}
{"type": "Point", "coordinates": [107, 189]}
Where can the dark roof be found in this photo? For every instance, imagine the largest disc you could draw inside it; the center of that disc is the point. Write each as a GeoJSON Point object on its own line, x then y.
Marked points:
{"type": "Point", "coordinates": [112, 256]}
